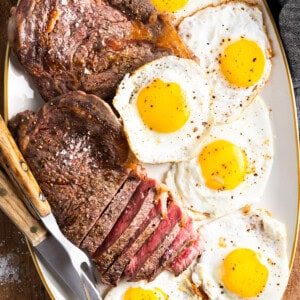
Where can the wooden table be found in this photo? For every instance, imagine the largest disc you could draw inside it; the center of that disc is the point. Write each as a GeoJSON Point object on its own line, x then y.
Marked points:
{"type": "Point", "coordinates": [18, 276]}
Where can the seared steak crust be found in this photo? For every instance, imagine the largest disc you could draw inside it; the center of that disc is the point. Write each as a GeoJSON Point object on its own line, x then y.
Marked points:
{"type": "Point", "coordinates": [86, 44]}
{"type": "Point", "coordinates": [76, 149]}
{"type": "Point", "coordinates": [135, 9]}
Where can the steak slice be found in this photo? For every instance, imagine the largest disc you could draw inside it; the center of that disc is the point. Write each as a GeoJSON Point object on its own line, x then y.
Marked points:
{"type": "Point", "coordinates": [133, 217]}
{"type": "Point", "coordinates": [86, 44]}
{"type": "Point", "coordinates": [152, 263]}
{"type": "Point", "coordinates": [184, 236]}
{"type": "Point", "coordinates": [113, 275]}
{"type": "Point", "coordinates": [105, 223]}
{"type": "Point", "coordinates": [185, 258]}
{"type": "Point", "coordinates": [153, 242]}
{"type": "Point", "coordinates": [77, 151]}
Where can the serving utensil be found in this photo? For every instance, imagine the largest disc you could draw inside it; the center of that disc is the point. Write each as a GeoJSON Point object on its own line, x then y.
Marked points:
{"type": "Point", "coordinates": [65, 259]}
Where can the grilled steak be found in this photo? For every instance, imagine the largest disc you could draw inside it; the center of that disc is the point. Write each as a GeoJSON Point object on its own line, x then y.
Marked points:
{"type": "Point", "coordinates": [76, 149]}
{"type": "Point", "coordinates": [88, 44]}
{"type": "Point", "coordinates": [103, 202]}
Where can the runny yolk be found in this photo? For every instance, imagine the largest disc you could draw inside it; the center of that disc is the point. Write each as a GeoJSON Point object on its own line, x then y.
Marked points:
{"type": "Point", "coordinates": [223, 165]}
{"type": "Point", "coordinates": [138, 293]}
{"type": "Point", "coordinates": [169, 5]}
{"type": "Point", "coordinates": [162, 106]}
{"type": "Point", "coordinates": [243, 273]}
{"type": "Point", "coordinates": [243, 63]}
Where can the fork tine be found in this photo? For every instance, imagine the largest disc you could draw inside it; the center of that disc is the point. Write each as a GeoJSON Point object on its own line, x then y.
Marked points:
{"type": "Point", "coordinates": [78, 258]}
{"type": "Point", "coordinates": [90, 288]}
{"type": "Point", "coordinates": [60, 260]}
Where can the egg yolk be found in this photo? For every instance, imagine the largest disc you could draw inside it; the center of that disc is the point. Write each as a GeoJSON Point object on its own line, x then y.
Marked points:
{"type": "Point", "coordinates": [243, 273]}
{"type": "Point", "coordinates": [243, 63]}
{"type": "Point", "coordinates": [169, 5]}
{"type": "Point", "coordinates": [142, 294]}
{"type": "Point", "coordinates": [223, 165]}
{"type": "Point", "coordinates": [162, 106]}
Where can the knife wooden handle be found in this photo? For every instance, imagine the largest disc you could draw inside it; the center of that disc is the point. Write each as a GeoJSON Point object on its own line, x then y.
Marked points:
{"type": "Point", "coordinates": [17, 169]}
{"type": "Point", "coordinates": [15, 209]}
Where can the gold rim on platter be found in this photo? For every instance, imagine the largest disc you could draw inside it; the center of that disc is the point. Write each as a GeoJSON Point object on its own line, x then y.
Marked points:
{"type": "Point", "coordinates": [296, 130]}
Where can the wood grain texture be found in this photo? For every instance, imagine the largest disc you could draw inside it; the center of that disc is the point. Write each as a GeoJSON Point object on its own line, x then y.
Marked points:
{"type": "Point", "coordinates": [28, 285]}
{"type": "Point", "coordinates": [14, 164]}
{"type": "Point", "coordinates": [15, 209]}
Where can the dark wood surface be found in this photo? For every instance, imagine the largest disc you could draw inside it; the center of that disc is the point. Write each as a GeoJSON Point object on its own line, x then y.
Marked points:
{"type": "Point", "coordinates": [18, 276]}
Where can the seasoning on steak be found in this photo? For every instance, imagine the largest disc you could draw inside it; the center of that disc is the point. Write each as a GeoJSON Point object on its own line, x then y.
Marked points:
{"type": "Point", "coordinates": [88, 45]}
{"type": "Point", "coordinates": [77, 151]}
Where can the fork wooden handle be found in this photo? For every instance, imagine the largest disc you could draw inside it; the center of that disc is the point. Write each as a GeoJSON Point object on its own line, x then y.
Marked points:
{"type": "Point", "coordinates": [17, 169]}
{"type": "Point", "coordinates": [15, 209]}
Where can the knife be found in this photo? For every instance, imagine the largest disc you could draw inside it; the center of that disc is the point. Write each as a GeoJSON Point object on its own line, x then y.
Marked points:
{"type": "Point", "coordinates": [65, 259]}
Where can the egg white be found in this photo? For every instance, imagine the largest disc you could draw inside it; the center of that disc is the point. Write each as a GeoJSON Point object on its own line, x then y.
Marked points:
{"type": "Point", "coordinates": [193, 6]}
{"type": "Point", "coordinates": [174, 287]}
{"type": "Point", "coordinates": [255, 230]}
{"type": "Point", "coordinates": [252, 132]}
{"type": "Point", "coordinates": [208, 32]}
{"type": "Point", "coordinates": [153, 147]}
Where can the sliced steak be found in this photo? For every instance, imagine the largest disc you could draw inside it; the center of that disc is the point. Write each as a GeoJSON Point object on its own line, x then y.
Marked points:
{"type": "Point", "coordinates": [184, 236]}
{"type": "Point", "coordinates": [152, 263]}
{"type": "Point", "coordinates": [153, 242]}
{"type": "Point", "coordinates": [108, 219]}
{"type": "Point", "coordinates": [77, 151]}
{"type": "Point", "coordinates": [125, 229]}
{"type": "Point", "coordinates": [113, 275]}
{"type": "Point", "coordinates": [193, 249]}
{"type": "Point", "coordinates": [86, 44]}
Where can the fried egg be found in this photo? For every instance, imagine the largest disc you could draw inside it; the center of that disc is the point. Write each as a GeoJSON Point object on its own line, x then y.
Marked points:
{"type": "Point", "coordinates": [231, 168]}
{"type": "Point", "coordinates": [234, 50]}
{"type": "Point", "coordinates": [182, 8]}
{"type": "Point", "coordinates": [164, 106]}
{"type": "Point", "coordinates": [166, 286]}
{"type": "Point", "coordinates": [245, 257]}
